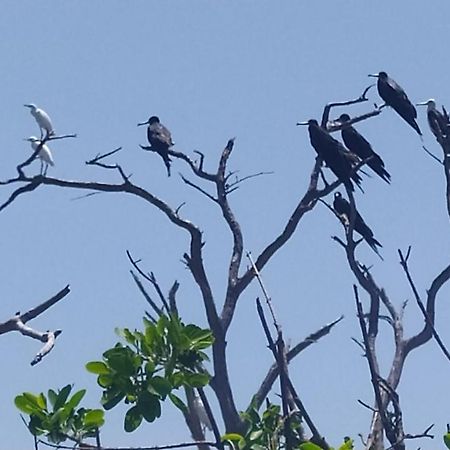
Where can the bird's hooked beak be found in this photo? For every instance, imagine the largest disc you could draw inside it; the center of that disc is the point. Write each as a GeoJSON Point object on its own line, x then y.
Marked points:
{"type": "Point", "coordinates": [143, 123]}
{"type": "Point", "coordinates": [374, 75]}
{"type": "Point", "coordinates": [422, 103]}
{"type": "Point", "coordinates": [28, 106]}
{"type": "Point", "coordinates": [302, 123]}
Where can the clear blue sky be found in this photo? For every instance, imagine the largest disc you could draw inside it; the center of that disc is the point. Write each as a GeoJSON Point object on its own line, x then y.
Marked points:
{"type": "Point", "coordinates": [211, 71]}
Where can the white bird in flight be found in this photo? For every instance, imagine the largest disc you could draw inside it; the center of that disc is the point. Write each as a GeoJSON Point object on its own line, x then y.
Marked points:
{"type": "Point", "coordinates": [45, 155]}
{"type": "Point", "coordinates": [42, 119]}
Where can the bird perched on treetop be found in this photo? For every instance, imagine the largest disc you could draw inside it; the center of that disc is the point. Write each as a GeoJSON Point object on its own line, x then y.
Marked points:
{"type": "Point", "coordinates": [42, 119]}
{"type": "Point", "coordinates": [335, 155]}
{"type": "Point", "coordinates": [437, 121]}
{"type": "Point", "coordinates": [44, 154]}
{"type": "Point", "coordinates": [160, 139]}
{"type": "Point", "coordinates": [343, 210]}
{"type": "Point", "coordinates": [395, 97]}
{"type": "Point", "coordinates": [358, 145]}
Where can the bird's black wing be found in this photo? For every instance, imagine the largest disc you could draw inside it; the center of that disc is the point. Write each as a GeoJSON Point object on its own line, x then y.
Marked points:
{"type": "Point", "coordinates": [160, 135]}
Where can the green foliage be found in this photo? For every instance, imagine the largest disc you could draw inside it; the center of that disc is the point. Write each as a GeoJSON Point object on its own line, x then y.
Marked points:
{"type": "Point", "coordinates": [447, 438]}
{"type": "Point", "coordinates": [62, 420]}
{"type": "Point", "coordinates": [266, 432]}
{"type": "Point", "coordinates": [154, 362]}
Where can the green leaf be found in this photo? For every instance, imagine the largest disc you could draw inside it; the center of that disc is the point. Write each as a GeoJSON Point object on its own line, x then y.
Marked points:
{"type": "Point", "coordinates": [347, 445]}
{"type": "Point", "coordinates": [109, 400]}
{"type": "Point", "coordinates": [447, 439]}
{"type": "Point", "coordinates": [97, 367]}
{"type": "Point", "coordinates": [76, 399]}
{"type": "Point", "coordinates": [161, 385]}
{"type": "Point", "coordinates": [63, 394]}
{"type": "Point", "coordinates": [23, 404]}
{"type": "Point", "coordinates": [94, 418]}
{"type": "Point", "coordinates": [105, 381]}
{"type": "Point", "coordinates": [197, 380]}
{"type": "Point", "coordinates": [178, 403]}
{"type": "Point", "coordinates": [255, 435]}
{"type": "Point", "coordinates": [133, 418]}
{"type": "Point", "coordinates": [52, 396]}
{"type": "Point", "coordinates": [42, 401]}
{"type": "Point", "coordinates": [233, 437]}
{"type": "Point", "coordinates": [309, 446]}
{"type": "Point", "coordinates": [149, 406]}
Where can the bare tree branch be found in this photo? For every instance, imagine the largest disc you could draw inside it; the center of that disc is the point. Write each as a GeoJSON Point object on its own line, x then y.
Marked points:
{"type": "Point", "coordinates": [17, 323]}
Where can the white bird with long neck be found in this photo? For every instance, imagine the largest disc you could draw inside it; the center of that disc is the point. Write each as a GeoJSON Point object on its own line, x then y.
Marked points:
{"type": "Point", "coordinates": [42, 119]}
{"type": "Point", "coordinates": [45, 155]}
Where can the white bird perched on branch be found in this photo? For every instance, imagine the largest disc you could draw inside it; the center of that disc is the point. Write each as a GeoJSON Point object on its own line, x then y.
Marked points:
{"type": "Point", "coordinates": [200, 410]}
{"type": "Point", "coordinates": [42, 119]}
{"type": "Point", "coordinates": [45, 155]}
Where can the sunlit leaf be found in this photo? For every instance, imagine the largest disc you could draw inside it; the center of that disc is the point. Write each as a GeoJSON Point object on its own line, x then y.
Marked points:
{"type": "Point", "coordinates": [97, 367]}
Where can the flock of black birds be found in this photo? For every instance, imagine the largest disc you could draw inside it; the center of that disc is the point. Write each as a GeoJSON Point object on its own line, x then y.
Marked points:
{"type": "Point", "coordinates": [343, 161]}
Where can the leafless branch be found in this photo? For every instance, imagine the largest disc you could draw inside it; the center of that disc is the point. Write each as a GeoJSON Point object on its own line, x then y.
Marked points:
{"type": "Point", "coordinates": [317, 437]}
{"type": "Point", "coordinates": [18, 323]}
{"type": "Point", "coordinates": [429, 322]}
{"type": "Point", "coordinates": [198, 188]}
{"type": "Point", "coordinates": [362, 98]}
{"type": "Point", "coordinates": [155, 447]}
{"type": "Point", "coordinates": [273, 372]}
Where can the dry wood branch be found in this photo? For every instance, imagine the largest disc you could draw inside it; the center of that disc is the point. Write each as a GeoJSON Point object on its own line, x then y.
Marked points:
{"type": "Point", "coordinates": [17, 323]}
{"type": "Point", "coordinates": [326, 112]}
{"type": "Point", "coordinates": [150, 277]}
{"type": "Point", "coordinates": [154, 447]}
{"type": "Point", "coordinates": [211, 418]}
{"type": "Point", "coordinates": [374, 372]}
{"type": "Point", "coordinates": [146, 295]}
{"type": "Point", "coordinates": [198, 188]}
{"type": "Point", "coordinates": [428, 321]}
{"type": "Point", "coordinates": [231, 187]}
{"type": "Point", "coordinates": [317, 437]}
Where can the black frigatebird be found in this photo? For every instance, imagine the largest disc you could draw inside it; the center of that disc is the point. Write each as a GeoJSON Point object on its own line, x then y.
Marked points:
{"type": "Point", "coordinates": [160, 139]}
{"type": "Point", "coordinates": [358, 145]}
{"type": "Point", "coordinates": [437, 121]}
{"type": "Point", "coordinates": [343, 210]}
{"type": "Point", "coordinates": [395, 97]}
{"type": "Point", "coordinates": [333, 153]}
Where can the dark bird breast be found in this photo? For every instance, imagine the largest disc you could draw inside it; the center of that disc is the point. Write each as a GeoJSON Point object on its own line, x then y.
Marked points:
{"type": "Point", "coordinates": [159, 136]}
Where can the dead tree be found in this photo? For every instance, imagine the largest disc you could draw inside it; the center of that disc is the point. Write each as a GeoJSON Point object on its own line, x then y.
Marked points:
{"type": "Point", "coordinates": [217, 187]}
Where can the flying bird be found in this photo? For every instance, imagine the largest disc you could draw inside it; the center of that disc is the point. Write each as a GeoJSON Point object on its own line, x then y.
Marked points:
{"type": "Point", "coordinates": [335, 155]}
{"type": "Point", "coordinates": [44, 154]}
{"type": "Point", "coordinates": [343, 210]}
{"type": "Point", "coordinates": [42, 119]}
{"type": "Point", "coordinates": [395, 97]}
{"type": "Point", "coordinates": [438, 122]}
{"type": "Point", "coordinates": [160, 139]}
{"type": "Point", "coordinates": [358, 145]}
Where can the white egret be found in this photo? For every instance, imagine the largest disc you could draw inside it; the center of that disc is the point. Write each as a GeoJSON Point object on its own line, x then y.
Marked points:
{"type": "Point", "coordinates": [42, 119]}
{"type": "Point", "coordinates": [200, 410]}
{"type": "Point", "coordinates": [45, 155]}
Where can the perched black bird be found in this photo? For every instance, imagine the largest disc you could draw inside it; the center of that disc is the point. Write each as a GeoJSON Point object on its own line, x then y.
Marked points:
{"type": "Point", "coordinates": [438, 122]}
{"type": "Point", "coordinates": [160, 139]}
{"type": "Point", "coordinates": [333, 153]}
{"type": "Point", "coordinates": [395, 97]}
{"type": "Point", "coordinates": [342, 208]}
{"type": "Point", "coordinates": [358, 145]}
